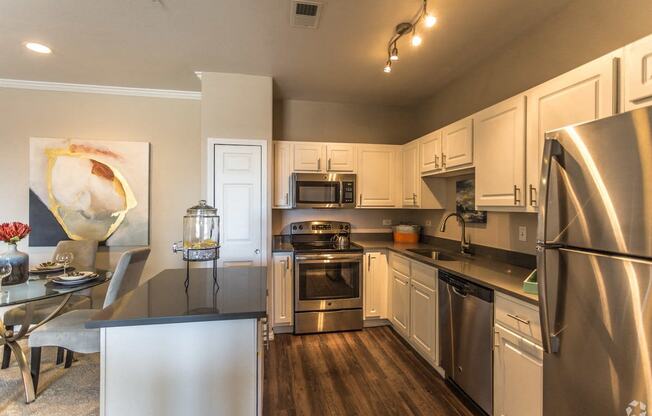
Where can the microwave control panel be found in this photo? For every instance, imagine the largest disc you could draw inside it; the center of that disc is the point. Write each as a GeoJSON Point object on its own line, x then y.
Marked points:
{"type": "Point", "coordinates": [348, 192]}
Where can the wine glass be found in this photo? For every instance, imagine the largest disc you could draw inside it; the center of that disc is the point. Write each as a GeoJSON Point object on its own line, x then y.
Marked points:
{"type": "Point", "coordinates": [64, 258]}
{"type": "Point", "coordinates": [5, 270]}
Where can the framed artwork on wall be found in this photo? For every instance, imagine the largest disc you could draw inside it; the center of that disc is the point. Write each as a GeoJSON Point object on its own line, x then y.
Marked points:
{"type": "Point", "coordinates": [89, 190]}
{"type": "Point", "coordinates": [465, 202]}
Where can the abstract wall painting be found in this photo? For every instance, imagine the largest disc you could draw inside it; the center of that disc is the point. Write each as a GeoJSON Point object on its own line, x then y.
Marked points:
{"type": "Point", "coordinates": [465, 202]}
{"type": "Point", "coordinates": [89, 190]}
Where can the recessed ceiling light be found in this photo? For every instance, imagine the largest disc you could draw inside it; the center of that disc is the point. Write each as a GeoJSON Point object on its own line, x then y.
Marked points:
{"type": "Point", "coordinates": [37, 47]}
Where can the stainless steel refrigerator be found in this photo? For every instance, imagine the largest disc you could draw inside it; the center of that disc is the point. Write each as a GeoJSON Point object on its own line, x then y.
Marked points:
{"type": "Point", "coordinates": [594, 261]}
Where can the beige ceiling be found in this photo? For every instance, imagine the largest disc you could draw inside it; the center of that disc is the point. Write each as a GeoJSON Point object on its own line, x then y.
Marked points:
{"type": "Point", "coordinates": [142, 43]}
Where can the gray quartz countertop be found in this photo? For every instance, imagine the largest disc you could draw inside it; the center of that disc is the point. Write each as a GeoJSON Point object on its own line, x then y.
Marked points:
{"type": "Point", "coordinates": [500, 276]}
{"type": "Point", "coordinates": [236, 293]}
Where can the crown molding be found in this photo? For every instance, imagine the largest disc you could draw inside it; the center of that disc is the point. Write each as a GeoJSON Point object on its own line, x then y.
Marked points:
{"type": "Point", "coordinates": [99, 89]}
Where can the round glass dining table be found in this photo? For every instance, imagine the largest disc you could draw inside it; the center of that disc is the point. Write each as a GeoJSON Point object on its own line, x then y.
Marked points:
{"type": "Point", "coordinates": [37, 288]}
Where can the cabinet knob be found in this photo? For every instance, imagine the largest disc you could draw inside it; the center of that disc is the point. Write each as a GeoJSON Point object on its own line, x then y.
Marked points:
{"type": "Point", "coordinates": [257, 251]}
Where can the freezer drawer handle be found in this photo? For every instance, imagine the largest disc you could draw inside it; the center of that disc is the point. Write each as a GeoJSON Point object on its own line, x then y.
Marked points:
{"type": "Point", "coordinates": [518, 318]}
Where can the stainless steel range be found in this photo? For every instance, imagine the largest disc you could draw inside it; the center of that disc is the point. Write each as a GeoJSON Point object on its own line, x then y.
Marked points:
{"type": "Point", "coordinates": [327, 277]}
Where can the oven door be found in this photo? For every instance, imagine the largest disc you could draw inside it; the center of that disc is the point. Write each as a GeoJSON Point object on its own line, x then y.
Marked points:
{"type": "Point", "coordinates": [327, 282]}
{"type": "Point", "coordinates": [316, 191]}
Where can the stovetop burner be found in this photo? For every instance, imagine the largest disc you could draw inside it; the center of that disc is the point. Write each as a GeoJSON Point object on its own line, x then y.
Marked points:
{"type": "Point", "coordinates": [319, 236]}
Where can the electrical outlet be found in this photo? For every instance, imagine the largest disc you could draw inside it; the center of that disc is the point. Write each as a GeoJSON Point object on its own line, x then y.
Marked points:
{"type": "Point", "coordinates": [428, 223]}
{"type": "Point", "coordinates": [522, 233]}
{"type": "Point", "coordinates": [387, 222]}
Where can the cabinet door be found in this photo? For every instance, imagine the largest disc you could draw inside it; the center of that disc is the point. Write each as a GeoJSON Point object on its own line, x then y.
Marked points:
{"type": "Point", "coordinates": [401, 303]}
{"type": "Point", "coordinates": [283, 295]}
{"type": "Point", "coordinates": [518, 375]}
{"type": "Point", "coordinates": [377, 176]}
{"type": "Point", "coordinates": [411, 177]}
{"type": "Point", "coordinates": [583, 94]}
{"type": "Point", "coordinates": [430, 152]}
{"type": "Point", "coordinates": [423, 319]}
{"type": "Point", "coordinates": [340, 157]}
{"type": "Point", "coordinates": [457, 140]}
{"type": "Point", "coordinates": [499, 139]}
{"type": "Point", "coordinates": [375, 285]}
{"type": "Point", "coordinates": [308, 157]}
{"type": "Point", "coordinates": [637, 73]}
{"type": "Point", "coordinates": [282, 174]}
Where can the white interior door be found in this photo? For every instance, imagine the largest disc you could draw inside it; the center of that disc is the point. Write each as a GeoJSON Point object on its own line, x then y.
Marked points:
{"type": "Point", "coordinates": [238, 198]}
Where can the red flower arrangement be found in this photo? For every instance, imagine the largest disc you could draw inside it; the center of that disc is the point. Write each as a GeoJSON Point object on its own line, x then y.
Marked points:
{"type": "Point", "coordinates": [13, 232]}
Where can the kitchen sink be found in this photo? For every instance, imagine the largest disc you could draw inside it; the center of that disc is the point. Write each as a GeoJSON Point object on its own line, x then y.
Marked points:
{"type": "Point", "coordinates": [433, 254]}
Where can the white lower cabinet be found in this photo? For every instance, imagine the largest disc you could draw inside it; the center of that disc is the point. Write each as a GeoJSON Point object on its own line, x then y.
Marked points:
{"type": "Point", "coordinates": [413, 305]}
{"type": "Point", "coordinates": [283, 289]}
{"type": "Point", "coordinates": [518, 375]}
{"type": "Point", "coordinates": [375, 285]}
{"type": "Point", "coordinates": [400, 304]}
{"type": "Point", "coordinates": [423, 320]}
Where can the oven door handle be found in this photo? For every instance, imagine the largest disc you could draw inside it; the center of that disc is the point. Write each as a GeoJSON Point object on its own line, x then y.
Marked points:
{"type": "Point", "coordinates": [328, 257]}
{"type": "Point", "coordinates": [329, 261]}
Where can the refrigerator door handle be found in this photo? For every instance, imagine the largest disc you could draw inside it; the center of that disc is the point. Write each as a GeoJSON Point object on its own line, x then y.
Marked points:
{"type": "Point", "coordinates": [551, 150]}
{"type": "Point", "coordinates": [550, 342]}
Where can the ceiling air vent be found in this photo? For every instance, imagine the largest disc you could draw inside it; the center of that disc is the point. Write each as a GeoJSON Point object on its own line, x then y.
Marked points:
{"type": "Point", "coordinates": [304, 13]}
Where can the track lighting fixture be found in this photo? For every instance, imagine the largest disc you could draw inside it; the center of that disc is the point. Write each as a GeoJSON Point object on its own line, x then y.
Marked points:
{"type": "Point", "coordinates": [405, 28]}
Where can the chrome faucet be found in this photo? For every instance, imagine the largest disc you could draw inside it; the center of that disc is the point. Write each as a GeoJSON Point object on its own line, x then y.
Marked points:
{"type": "Point", "coordinates": [465, 245]}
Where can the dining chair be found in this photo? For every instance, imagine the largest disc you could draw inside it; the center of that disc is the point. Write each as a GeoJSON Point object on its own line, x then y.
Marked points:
{"type": "Point", "coordinates": [84, 254]}
{"type": "Point", "coordinates": [68, 330]}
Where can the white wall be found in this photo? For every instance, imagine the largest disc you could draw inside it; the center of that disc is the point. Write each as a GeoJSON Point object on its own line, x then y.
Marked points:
{"type": "Point", "coordinates": [172, 127]}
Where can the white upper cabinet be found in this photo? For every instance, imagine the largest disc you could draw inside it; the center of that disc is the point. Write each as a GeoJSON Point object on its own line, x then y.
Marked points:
{"type": "Point", "coordinates": [377, 175]}
{"type": "Point", "coordinates": [430, 152]}
{"type": "Point", "coordinates": [457, 144]}
{"type": "Point", "coordinates": [411, 175]}
{"type": "Point", "coordinates": [499, 140]}
{"type": "Point", "coordinates": [637, 74]}
{"type": "Point", "coordinates": [583, 94]}
{"type": "Point", "coordinates": [340, 158]}
{"type": "Point", "coordinates": [308, 157]}
{"type": "Point", "coordinates": [282, 174]}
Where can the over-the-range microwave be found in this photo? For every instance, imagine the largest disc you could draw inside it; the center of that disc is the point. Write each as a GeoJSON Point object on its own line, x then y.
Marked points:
{"type": "Point", "coordinates": [323, 190]}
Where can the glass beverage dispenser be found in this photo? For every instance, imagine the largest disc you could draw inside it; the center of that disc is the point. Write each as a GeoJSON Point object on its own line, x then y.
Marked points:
{"type": "Point", "coordinates": [201, 233]}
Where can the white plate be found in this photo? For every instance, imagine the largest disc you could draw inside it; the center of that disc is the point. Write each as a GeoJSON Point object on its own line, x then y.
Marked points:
{"type": "Point", "coordinates": [66, 279]}
{"type": "Point", "coordinates": [51, 269]}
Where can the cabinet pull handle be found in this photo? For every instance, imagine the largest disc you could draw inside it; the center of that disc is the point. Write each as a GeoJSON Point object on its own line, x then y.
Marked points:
{"type": "Point", "coordinates": [369, 263]}
{"type": "Point", "coordinates": [414, 199]}
{"type": "Point", "coordinates": [287, 198]}
{"type": "Point", "coordinates": [360, 199]}
{"type": "Point", "coordinates": [287, 263]}
{"type": "Point", "coordinates": [443, 160]}
{"type": "Point", "coordinates": [517, 190]}
{"type": "Point", "coordinates": [436, 161]}
{"type": "Point", "coordinates": [533, 201]}
{"type": "Point", "coordinates": [518, 318]}
{"type": "Point", "coordinates": [496, 343]}
{"type": "Point", "coordinates": [329, 163]}
{"type": "Point", "coordinates": [319, 163]}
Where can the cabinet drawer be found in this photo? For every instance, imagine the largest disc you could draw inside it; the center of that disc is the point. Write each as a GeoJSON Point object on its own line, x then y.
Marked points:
{"type": "Point", "coordinates": [425, 275]}
{"type": "Point", "coordinates": [518, 316]}
{"type": "Point", "coordinates": [400, 264]}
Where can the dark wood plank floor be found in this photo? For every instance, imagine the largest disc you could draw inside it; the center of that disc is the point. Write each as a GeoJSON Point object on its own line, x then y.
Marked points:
{"type": "Point", "coordinates": [370, 372]}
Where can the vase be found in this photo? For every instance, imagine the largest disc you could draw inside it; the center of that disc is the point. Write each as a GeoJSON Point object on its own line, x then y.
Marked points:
{"type": "Point", "coordinates": [19, 266]}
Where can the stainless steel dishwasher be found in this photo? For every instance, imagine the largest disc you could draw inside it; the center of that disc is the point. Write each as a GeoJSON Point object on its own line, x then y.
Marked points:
{"type": "Point", "coordinates": [466, 337]}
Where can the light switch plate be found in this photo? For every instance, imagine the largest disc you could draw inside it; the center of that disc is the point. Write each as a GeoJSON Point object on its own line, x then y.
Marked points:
{"type": "Point", "coordinates": [387, 222]}
{"type": "Point", "coordinates": [522, 233]}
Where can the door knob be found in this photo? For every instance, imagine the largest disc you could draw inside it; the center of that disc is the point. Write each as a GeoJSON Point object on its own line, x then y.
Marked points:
{"type": "Point", "coordinates": [257, 251]}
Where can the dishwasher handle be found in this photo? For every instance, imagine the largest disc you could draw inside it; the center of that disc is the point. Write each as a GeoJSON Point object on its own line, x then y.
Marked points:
{"type": "Point", "coordinates": [464, 288]}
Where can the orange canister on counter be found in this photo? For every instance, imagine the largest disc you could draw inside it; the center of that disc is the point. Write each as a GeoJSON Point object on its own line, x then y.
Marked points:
{"type": "Point", "coordinates": [406, 233]}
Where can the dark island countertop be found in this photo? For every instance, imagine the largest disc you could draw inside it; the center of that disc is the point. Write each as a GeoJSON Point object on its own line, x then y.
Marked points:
{"type": "Point", "coordinates": [240, 293]}
{"type": "Point", "coordinates": [500, 276]}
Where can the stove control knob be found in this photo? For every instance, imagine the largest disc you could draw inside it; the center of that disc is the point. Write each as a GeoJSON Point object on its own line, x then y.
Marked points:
{"type": "Point", "coordinates": [346, 227]}
{"type": "Point", "coordinates": [341, 226]}
{"type": "Point", "coordinates": [301, 227]}
{"type": "Point", "coordinates": [294, 227]}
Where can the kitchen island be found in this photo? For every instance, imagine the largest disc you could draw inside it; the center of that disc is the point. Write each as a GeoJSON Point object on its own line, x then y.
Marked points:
{"type": "Point", "coordinates": [170, 350]}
